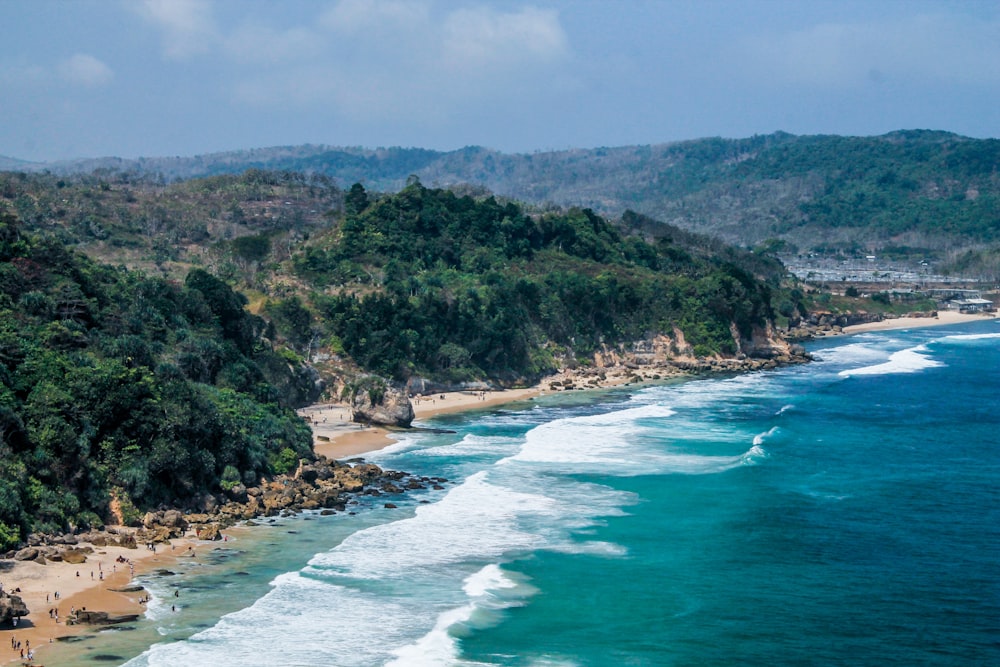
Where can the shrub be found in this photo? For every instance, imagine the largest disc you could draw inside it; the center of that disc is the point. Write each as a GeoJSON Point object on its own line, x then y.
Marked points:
{"type": "Point", "coordinates": [285, 461]}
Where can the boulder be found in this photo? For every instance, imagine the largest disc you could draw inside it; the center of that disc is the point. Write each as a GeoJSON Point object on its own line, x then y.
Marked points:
{"type": "Point", "coordinates": [74, 556]}
{"type": "Point", "coordinates": [391, 408]}
{"type": "Point", "coordinates": [209, 532]}
{"type": "Point", "coordinates": [11, 607]}
{"type": "Point", "coordinates": [174, 519]}
{"type": "Point", "coordinates": [27, 553]}
{"type": "Point", "coordinates": [238, 493]}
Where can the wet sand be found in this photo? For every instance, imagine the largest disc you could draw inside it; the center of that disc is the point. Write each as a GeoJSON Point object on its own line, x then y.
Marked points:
{"type": "Point", "coordinates": [943, 317]}
{"type": "Point", "coordinates": [40, 583]}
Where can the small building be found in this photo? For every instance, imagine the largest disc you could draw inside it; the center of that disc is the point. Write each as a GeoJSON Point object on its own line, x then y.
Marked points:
{"type": "Point", "coordinates": [972, 305]}
{"type": "Point", "coordinates": [946, 294]}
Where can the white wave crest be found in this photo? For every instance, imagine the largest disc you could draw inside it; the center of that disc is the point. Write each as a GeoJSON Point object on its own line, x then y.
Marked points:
{"type": "Point", "coordinates": [761, 437]}
{"type": "Point", "coordinates": [911, 360]}
{"type": "Point", "coordinates": [490, 591]}
{"type": "Point", "coordinates": [476, 519]}
{"type": "Point", "coordinates": [972, 337]}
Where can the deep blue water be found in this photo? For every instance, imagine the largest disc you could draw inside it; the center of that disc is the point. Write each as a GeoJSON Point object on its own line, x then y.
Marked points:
{"type": "Point", "coordinates": [845, 512]}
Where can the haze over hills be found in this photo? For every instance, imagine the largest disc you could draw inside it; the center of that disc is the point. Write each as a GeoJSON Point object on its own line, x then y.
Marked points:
{"type": "Point", "coordinates": [916, 194]}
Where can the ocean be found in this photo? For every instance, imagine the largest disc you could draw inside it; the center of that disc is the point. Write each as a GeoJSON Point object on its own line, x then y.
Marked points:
{"type": "Point", "coordinates": [842, 512]}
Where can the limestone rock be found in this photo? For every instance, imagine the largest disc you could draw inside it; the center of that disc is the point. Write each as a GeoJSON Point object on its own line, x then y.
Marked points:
{"type": "Point", "coordinates": [74, 556]}
{"type": "Point", "coordinates": [393, 408]}
{"type": "Point", "coordinates": [209, 532]}
{"type": "Point", "coordinates": [11, 607]}
{"type": "Point", "coordinates": [27, 553]}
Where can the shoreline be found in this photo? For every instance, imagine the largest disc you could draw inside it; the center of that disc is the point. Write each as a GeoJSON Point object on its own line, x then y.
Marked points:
{"type": "Point", "coordinates": [335, 437]}
{"type": "Point", "coordinates": [93, 585]}
{"type": "Point", "coordinates": [943, 318]}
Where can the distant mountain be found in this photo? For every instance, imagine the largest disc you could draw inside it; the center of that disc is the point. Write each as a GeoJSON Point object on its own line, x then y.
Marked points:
{"type": "Point", "coordinates": [13, 164]}
{"type": "Point", "coordinates": [914, 193]}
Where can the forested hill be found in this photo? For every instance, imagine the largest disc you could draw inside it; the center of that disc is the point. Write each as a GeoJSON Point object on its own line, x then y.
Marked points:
{"type": "Point", "coordinates": [923, 193]}
{"type": "Point", "coordinates": [160, 386]}
{"type": "Point", "coordinates": [421, 282]}
{"type": "Point", "coordinates": [426, 282]}
{"type": "Point", "coordinates": [118, 385]}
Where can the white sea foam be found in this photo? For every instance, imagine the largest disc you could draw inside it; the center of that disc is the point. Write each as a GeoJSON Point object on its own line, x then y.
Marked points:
{"type": "Point", "coordinates": [972, 337]}
{"type": "Point", "coordinates": [911, 360]}
{"type": "Point", "coordinates": [281, 627]}
{"type": "Point", "coordinates": [439, 647]}
{"type": "Point", "coordinates": [476, 519]}
{"type": "Point", "coordinates": [865, 351]}
{"type": "Point", "coordinates": [784, 409]}
{"type": "Point", "coordinates": [602, 439]}
{"type": "Point", "coordinates": [473, 445]}
{"type": "Point", "coordinates": [625, 443]}
{"type": "Point", "coordinates": [592, 548]}
{"type": "Point", "coordinates": [761, 437]}
{"type": "Point", "coordinates": [490, 578]}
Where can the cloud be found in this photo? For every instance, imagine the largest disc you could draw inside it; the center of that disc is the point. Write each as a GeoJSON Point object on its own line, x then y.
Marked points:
{"type": "Point", "coordinates": [413, 62]}
{"type": "Point", "coordinates": [85, 70]}
{"type": "Point", "coordinates": [187, 25]}
{"type": "Point", "coordinates": [357, 16]}
{"type": "Point", "coordinates": [261, 44]}
{"type": "Point", "coordinates": [944, 49]}
{"type": "Point", "coordinates": [484, 37]}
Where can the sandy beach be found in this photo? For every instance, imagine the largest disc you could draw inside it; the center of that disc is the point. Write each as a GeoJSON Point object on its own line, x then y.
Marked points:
{"type": "Point", "coordinates": [943, 317]}
{"type": "Point", "coordinates": [337, 437]}
{"type": "Point", "coordinates": [88, 586]}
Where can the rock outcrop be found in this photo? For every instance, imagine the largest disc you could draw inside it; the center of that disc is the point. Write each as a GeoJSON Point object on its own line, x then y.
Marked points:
{"type": "Point", "coordinates": [11, 607]}
{"type": "Point", "coordinates": [389, 406]}
{"type": "Point", "coordinates": [84, 617]}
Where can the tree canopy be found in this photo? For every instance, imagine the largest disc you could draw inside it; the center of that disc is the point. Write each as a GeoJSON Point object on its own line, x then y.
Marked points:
{"type": "Point", "coordinates": [114, 383]}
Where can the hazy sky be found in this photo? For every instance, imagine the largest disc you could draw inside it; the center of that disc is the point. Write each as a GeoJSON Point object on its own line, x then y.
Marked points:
{"type": "Point", "coordinates": [87, 78]}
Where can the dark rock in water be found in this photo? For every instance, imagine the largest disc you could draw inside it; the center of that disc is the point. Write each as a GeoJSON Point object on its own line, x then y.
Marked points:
{"type": "Point", "coordinates": [165, 573]}
{"type": "Point", "coordinates": [242, 574]}
{"type": "Point", "coordinates": [390, 506]}
{"type": "Point", "coordinates": [128, 589]}
{"type": "Point", "coordinates": [106, 657]}
{"type": "Point", "coordinates": [82, 617]}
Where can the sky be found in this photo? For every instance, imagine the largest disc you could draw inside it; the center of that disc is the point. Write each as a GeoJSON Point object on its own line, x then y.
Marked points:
{"type": "Point", "coordinates": [131, 78]}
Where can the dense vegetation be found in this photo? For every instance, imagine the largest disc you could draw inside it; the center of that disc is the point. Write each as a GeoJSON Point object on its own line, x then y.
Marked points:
{"type": "Point", "coordinates": [117, 385]}
{"type": "Point", "coordinates": [913, 194]}
{"type": "Point", "coordinates": [427, 282]}
{"type": "Point", "coordinates": [229, 223]}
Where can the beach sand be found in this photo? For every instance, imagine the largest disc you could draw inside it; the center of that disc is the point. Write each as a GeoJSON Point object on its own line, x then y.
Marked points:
{"type": "Point", "coordinates": [943, 317]}
{"type": "Point", "coordinates": [335, 436]}
{"type": "Point", "coordinates": [39, 584]}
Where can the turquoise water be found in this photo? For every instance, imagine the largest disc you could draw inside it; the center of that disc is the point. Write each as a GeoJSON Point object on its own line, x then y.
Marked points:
{"type": "Point", "coordinates": [842, 512]}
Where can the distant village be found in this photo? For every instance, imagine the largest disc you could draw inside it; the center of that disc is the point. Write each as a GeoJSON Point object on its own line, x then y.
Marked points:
{"type": "Point", "coordinates": [897, 280]}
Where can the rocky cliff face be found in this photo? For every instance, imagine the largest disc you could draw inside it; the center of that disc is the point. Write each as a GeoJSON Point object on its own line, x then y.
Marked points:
{"type": "Point", "coordinates": [763, 344]}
